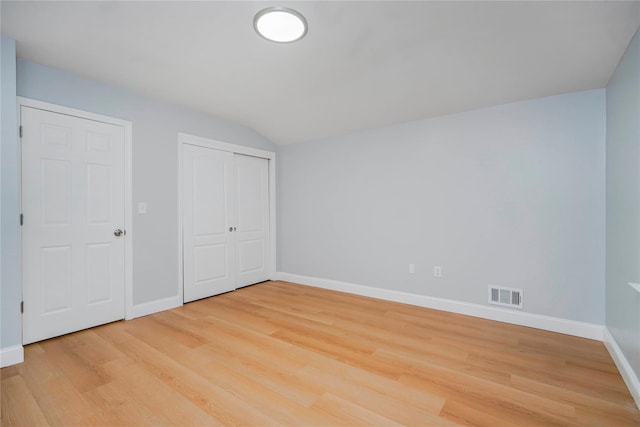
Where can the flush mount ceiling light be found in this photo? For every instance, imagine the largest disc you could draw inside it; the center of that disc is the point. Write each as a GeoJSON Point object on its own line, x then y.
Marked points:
{"type": "Point", "coordinates": [280, 24]}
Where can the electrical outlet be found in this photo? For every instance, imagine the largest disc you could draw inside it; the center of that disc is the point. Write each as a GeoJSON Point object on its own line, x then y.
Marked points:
{"type": "Point", "coordinates": [412, 268]}
{"type": "Point", "coordinates": [437, 271]}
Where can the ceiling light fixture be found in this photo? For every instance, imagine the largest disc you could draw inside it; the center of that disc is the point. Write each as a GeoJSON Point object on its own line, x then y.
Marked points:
{"type": "Point", "coordinates": [280, 24]}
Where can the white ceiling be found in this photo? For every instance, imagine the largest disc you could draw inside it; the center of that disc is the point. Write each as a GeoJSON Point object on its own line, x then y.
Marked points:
{"type": "Point", "coordinates": [361, 65]}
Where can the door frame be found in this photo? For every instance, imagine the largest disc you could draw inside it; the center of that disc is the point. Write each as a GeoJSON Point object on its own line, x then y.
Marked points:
{"type": "Point", "coordinates": [185, 138]}
{"type": "Point", "coordinates": [128, 193]}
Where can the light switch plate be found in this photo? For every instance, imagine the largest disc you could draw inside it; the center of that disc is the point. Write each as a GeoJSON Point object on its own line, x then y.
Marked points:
{"type": "Point", "coordinates": [437, 271]}
{"type": "Point", "coordinates": [142, 207]}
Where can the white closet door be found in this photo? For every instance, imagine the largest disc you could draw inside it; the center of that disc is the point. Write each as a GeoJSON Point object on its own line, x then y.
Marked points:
{"type": "Point", "coordinates": [73, 202]}
{"type": "Point", "coordinates": [208, 212]}
{"type": "Point", "coordinates": [252, 207]}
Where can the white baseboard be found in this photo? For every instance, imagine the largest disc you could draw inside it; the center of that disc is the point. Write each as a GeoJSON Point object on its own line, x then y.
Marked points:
{"type": "Point", "coordinates": [628, 375]}
{"type": "Point", "coordinates": [548, 323]}
{"type": "Point", "coordinates": [11, 356]}
{"type": "Point", "coordinates": [145, 309]}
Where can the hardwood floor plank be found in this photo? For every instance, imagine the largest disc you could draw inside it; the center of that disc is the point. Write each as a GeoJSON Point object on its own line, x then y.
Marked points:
{"type": "Point", "coordinates": [278, 353]}
{"type": "Point", "coordinates": [275, 367]}
{"type": "Point", "coordinates": [129, 393]}
{"type": "Point", "coordinates": [255, 345]}
{"type": "Point", "coordinates": [351, 414]}
{"type": "Point", "coordinates": [339, 349]}
{"type": "Point", "coordinates": [59, 400]}
{"type": "Point", "coordinates": [464, 413]}
{"type": "Point", "coordinates": [589, 416]}
{"type": "Point", "coordinates": [83, 374]}
{"type": "Point", "coordinates": [483, 406]}
{"type": "Point", "coordinates": [579, 400]}
{"type": "Point", "coordinates": [19, 407]}
{"type": "Point", "coordinates": [212, 398]}
{"type": "Point", "coordinates": [380, 384]}
{"type": "Point", "coordinates": [379, 403]}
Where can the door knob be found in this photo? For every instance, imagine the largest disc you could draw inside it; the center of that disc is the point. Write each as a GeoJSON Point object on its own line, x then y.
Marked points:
{"type": "Point", "coordinates": [231, 229]}
{"type": "Point", "coordinates": [119, 232]}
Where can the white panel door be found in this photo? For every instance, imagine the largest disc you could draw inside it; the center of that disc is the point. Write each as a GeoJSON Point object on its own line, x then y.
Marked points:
{"type": "Point", "coordinates": [208, 213]}
{"type": "Point", "coordinates": [252, 207]}
{"type": "Point", "coordinates": [73, 202]}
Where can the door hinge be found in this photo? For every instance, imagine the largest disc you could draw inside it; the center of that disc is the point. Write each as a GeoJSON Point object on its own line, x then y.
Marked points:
{"type": "Point", "coordinates": [21, 219]}
{"type": "Point", "coordinates": [21, 306]}
{"type": "Point", "coordinates": [20, 131]}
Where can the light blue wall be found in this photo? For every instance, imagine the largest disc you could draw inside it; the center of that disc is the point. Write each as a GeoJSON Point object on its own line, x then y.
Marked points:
{"type": "Point", "coordinates": [155, 128]}
{"type": "Point", "coordinates": [623, 204]}
{"type": "Point", "coordinates": [510, 196]}
{"type": "Point", "coordinates": [10, 291]}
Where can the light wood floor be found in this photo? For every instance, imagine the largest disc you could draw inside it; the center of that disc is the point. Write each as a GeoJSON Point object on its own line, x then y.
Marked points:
{"type": "Point", "coordinates": [284, 354]}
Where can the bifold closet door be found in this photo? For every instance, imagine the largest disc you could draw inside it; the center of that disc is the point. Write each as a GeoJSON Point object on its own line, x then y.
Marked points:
{"type": "Point", "coordinates": [225, 221]}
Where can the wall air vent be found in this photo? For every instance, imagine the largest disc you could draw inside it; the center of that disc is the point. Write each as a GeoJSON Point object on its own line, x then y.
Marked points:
{"type": "Point", "coordinates": [506, 297]}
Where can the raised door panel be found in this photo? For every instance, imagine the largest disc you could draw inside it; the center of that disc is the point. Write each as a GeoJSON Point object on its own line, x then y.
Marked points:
{"type": "Point", "coordinates": [98, 193]}
{"type": "Point", "coordinates": [99, 268]}
{"type": "Point", "coordinates": [210, 195]}
{"type": "Point", "coordinates": [55, 192]}
{"type": "Point", "coordinates": [56, 274]}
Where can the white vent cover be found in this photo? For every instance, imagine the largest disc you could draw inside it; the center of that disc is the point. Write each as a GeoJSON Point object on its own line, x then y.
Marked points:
{"type": "Point", "coordinates": [508, 297]}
